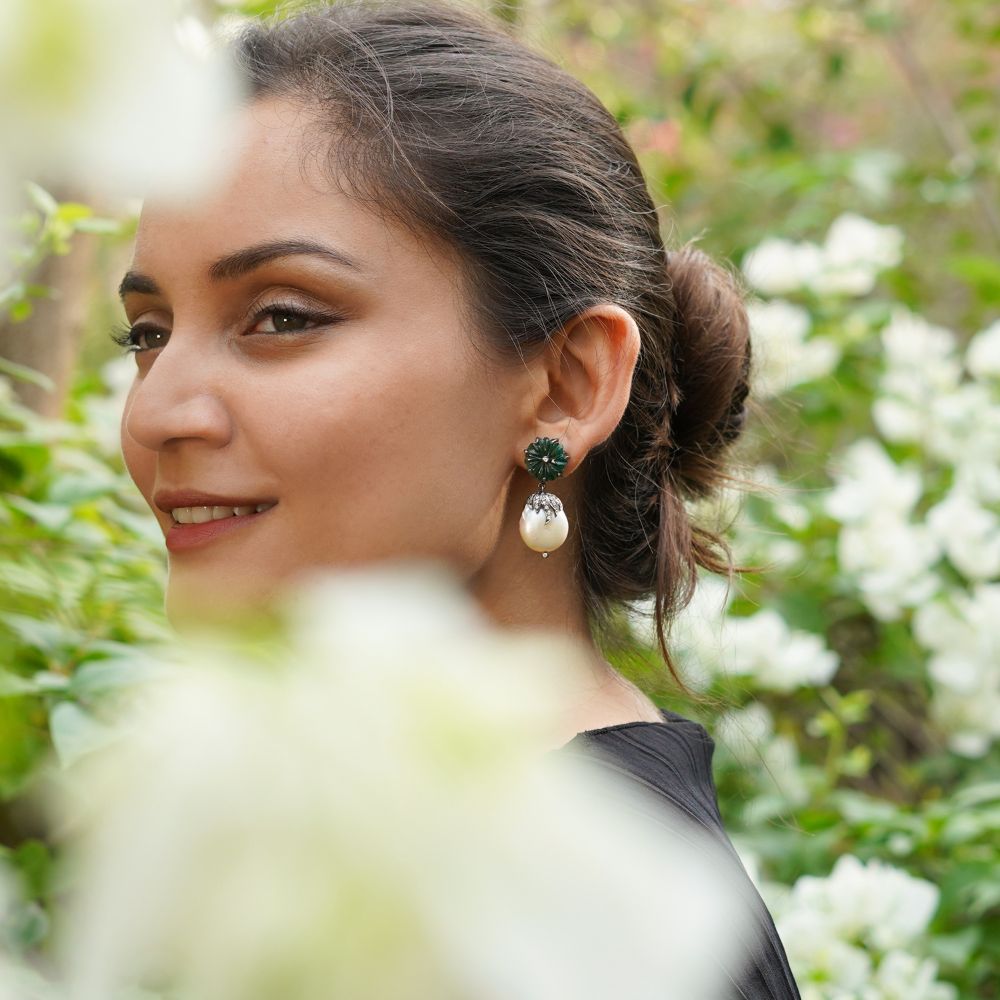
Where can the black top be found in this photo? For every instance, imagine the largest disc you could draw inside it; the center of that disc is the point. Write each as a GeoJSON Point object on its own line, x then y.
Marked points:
{"type": "Point", "coordinates": [674, 759]}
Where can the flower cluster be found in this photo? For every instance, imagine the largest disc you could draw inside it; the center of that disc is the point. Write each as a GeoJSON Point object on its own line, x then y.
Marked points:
{"type": "Point", "coordinates": [855, 934]}
{"type": "Point", "coordinates": [916, 496]}
{"type": "Point", "coordinates": [371, 812]}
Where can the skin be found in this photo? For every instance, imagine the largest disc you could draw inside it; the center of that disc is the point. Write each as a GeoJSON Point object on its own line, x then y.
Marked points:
{"type": "Point", "coordinates": [361, 427]}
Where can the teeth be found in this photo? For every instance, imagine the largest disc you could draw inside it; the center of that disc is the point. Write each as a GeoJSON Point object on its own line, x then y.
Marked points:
{"type": "Point", "coordinates": [199, 515]}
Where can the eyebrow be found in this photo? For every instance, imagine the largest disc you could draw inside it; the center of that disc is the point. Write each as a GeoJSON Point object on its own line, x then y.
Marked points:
{"type": "Point", "coordinates": [240, 262]}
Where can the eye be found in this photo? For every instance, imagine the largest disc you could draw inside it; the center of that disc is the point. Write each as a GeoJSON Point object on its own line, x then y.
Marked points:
{"type": "Point", "coordinates": [139, 338]}
{"type": "Point", "coordinates": [286, 319]}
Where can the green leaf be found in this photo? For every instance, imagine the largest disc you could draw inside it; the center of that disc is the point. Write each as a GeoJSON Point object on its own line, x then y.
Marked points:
{"type": "Point", "coordinates": [103, 227]}
{"type": "Point", "coordinates": [981, 272]}
{"type": "Point", "coordinates": [24, 372]}
{"type": "Point", "coordinates": [76, 732]}
{"type": "Point", "coordinates": [41, 198]}
{"type": "Point", "coordinates": [13, 685]}
{"type": "Point", "coordinates": [51, 638]}
{"type": "Point", "coordinates": [20, 311]}
{"type": "Point", "coordinates": [73, 212]}
{"type": "Point", "coordinates": [54, 517]}
{"type": "Point", "coordinates": [123, 672]}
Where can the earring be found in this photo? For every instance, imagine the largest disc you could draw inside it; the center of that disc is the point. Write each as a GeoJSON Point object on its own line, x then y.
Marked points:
{"type": "Point", "coordinates": [544, 525]}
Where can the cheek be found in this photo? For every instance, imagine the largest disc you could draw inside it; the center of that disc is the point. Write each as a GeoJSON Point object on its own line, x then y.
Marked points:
{"type": "Point", "coordinates": [408, 455]}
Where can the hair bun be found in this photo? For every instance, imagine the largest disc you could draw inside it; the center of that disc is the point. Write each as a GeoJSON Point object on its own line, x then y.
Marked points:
{"type": "Point", "coordinates": [710, 361]}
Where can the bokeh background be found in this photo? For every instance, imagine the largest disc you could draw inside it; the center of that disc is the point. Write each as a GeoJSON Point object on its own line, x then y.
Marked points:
{"type": "Point", "coordinates": [844, 158]}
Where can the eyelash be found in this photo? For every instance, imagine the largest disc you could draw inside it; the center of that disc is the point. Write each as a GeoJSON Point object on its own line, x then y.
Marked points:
{"type": "Point", "coordinates": [125, 335]}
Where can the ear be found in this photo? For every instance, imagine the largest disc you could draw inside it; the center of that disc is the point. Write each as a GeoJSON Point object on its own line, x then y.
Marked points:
{"type": "Point", "coordinates": [586, 380]}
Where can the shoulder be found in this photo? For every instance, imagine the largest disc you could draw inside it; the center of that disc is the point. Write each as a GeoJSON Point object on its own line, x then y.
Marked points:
{"type": "Point", "coordinates": [672, 757]}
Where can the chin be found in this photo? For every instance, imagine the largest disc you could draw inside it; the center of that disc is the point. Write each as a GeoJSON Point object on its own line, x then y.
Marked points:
{"type": "Point", "coordinates": [189, 603]}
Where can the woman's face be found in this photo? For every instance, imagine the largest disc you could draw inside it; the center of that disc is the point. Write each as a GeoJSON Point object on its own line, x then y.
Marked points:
{"type": "Point", "coordinates": [301, 352]}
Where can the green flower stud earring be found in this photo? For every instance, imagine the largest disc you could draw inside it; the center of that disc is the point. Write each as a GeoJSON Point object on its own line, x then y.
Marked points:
{"type": "Point", "coordinates": [544, 525]}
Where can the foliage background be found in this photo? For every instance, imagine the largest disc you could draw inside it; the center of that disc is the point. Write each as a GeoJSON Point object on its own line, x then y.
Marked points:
{"type": "Point", "coordinates": [853, 686]}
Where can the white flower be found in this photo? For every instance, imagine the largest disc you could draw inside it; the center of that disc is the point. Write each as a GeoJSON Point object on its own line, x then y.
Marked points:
{"type": "Point", "coordinates": [776, 656]}
{"type": "Point", "coordinates": [874, 172]}
{"type": "Point", "coordinates": [777, 266]}
{"type": "Point", "coordinates": [890, 557]}
{"type": "Point", "coordinates": [696, 634]}
{"type": "Point", "coordinates": [963, 430]}
{"type": "Point", "coordinates": [982, 357]}
{"type": "Point", "coordinates": [902, 976]}
{"type": "Point", "coordinates": [371, 813]}
{"type": "Point", "coordinates": [816, 952]}
{"type": "Point", "coordinates": [868, 483]}
{"type": "Point", "coordinates": [921, 365]}
{"type": "Point", "coordinates": [869, 903]}
{"type": "Point", "coordinates": [784, 503]}
{"type": "Point", "coordinates": [783, 356]}
{"type": "Point", "coordinates": [103, 96]}
{"type": "Point", "coordinates": [892, 562]}
{"type": "Point", "coordinates": [963, 633]}
{"type": "Point", "coordinates": [854, 251]}
{"type": "Point", "coordinates": [969, 534]}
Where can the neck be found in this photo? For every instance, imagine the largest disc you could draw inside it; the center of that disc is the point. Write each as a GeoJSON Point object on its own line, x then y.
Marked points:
{"type": "Point", "coordinates": [518, 589]}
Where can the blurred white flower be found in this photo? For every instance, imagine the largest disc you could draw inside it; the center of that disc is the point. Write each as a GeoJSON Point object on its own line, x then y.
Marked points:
{"type": "Point", "coordinates": [707, 641]}
{"type": "Point", "coordinates": [777, 266]}
{"type": "Point", "coordinates": [982, 357]}
{"type": "Point", "coordinates": [824, 965]}
{"type": "Point", "coordinates": [892, 562]}
{"type": "Point", "coordinates": [921, 365]}
{"type": "Point", "coordinates": [854, 251]}
{"type": "Point", "coordinates": [962, 631]}
{"type": "Point", "coordinates": [696, 634]}
{"type": "Point", "coordinates": [902, 976]}
{"type": "Point", "coordinates": [783, 357]}
{"type": "Point", "coordinates": [868, 483]}
{"type": "Point", "coordinates": [874, 172]}
{"type": "Point", "coordinates": [783, 500]}
{"type": "Point", "coordinates": [968, 533]}
{"type": "Point", "coordinates": [963, 430]}
{"type": "Point", "coordinates": [889, 556]}
{"type": "Point", "coordinates": [371, 813]}
{"type": "Point", "coordinates": [778, 657]}
{"type": "Point", "coordinates": [108, 96]}
{"type": "Point", "coordinates": [872, 902]}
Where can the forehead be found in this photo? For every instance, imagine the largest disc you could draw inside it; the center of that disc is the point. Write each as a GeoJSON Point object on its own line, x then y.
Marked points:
{"type": "Point", "coordinates": [271, 189]}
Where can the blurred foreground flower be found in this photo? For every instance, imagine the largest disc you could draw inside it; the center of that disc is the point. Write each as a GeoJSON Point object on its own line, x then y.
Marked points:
{"type": "Point", "coordinates": [371, 810]}
{"type": "Point", "coordinates": [109, 97]}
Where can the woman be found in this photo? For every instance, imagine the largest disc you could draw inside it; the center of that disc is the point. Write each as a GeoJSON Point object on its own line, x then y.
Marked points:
{"type": "Point", "coordinates": [434, 287]}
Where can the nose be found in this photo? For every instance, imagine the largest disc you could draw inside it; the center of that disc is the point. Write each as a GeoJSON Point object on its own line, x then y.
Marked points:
{"type": "Point", "coordinates": [180, 397]}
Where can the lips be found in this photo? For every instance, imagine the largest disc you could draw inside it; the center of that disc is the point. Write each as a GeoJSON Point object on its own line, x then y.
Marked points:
{"type": "Point", "coordinates": [169, 500]}
{"type": "Point", "coordinates": [182, 537]}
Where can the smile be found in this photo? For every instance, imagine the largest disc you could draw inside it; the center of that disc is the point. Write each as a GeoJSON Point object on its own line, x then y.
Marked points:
{"type": "Point", "coordinates": [196, 526]}
{"type": "Point", "coordinates": [200, 515]}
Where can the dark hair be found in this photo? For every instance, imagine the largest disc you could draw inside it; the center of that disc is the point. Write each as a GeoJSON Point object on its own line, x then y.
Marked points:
{"type": "Point", "coordinates": [458, 129]}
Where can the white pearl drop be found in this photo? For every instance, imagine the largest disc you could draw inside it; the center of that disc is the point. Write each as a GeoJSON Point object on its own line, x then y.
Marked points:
{"type": "Point", "coordinates": [542, 537]}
